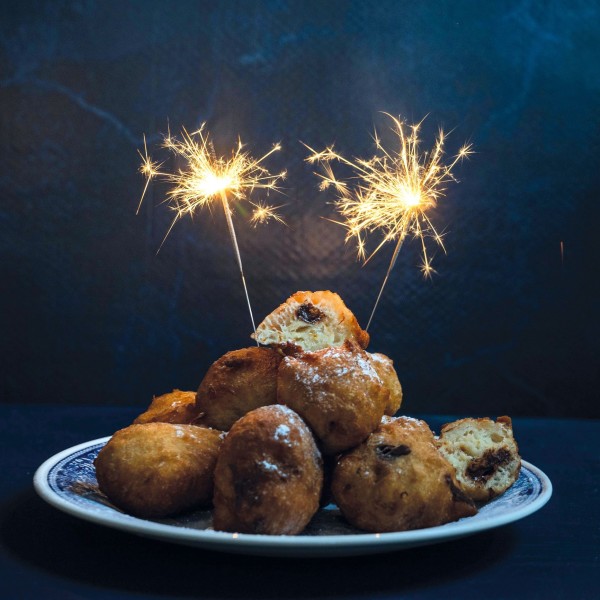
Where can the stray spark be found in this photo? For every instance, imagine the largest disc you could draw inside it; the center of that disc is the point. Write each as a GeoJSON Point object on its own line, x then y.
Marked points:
{"type": "Point", "coordinates": [263, 213]}
{"type": "Point", "coordinates": [149, 169]}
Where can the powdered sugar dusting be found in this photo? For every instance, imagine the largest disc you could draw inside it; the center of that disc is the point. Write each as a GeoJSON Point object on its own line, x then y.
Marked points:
{"type": "Point", "coordinates": [269, 466]}
{"type": "Point", "coordinates": [410, 420]}
{"type": "Point", "coordinates": [288, 413]}
{"type": "Point", "coordinates": [291, 420]}
{"type": "Point", "coordinates": [282, 433]}
{"type": "Point", "coordinates": [308, 374]}
{"type": "Point", "coordinates": [379, 358]}
{"type": "Point", "coordinates": [314, 369]}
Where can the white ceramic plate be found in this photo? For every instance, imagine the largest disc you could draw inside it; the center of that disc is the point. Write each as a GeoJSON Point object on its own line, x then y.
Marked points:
{"type": "Point", "coordinates": [68, 482]}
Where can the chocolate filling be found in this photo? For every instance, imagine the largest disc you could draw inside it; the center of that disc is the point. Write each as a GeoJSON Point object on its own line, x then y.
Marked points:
{"type": "Point", "coordinates": [481, 469]}
{"type": "Point", "coordinates": [309, 313]}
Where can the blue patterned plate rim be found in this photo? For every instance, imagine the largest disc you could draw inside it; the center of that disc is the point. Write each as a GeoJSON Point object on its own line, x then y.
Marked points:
{"type": "Point", "coordinates": [67, 482]}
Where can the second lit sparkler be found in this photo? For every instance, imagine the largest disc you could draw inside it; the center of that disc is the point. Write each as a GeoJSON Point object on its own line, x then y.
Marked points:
{"type": "Point", "coordinates": [392, 193]}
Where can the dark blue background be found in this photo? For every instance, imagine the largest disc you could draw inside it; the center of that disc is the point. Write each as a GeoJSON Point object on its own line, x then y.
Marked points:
{"type": "Point", "coordinates": [90, 313]}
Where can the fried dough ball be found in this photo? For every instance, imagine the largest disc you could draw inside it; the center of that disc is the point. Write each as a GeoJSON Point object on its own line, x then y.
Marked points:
{"type": "Point", "coordinates": [310, 321]}
{"type": "Point", "coordinates": [269, 474]}
{"type": "Point", "coordinates": [336, 391]}
{"type": "Point", "coordinates": [174, 407]}
{"type": "Point", "coordinates": [159, 469]}
{"type": "Point", "coordinates": [237, 383]}
{"type": "Point", "coordinates": [484, 454]}
{"type": "Point", "coordinates": [397, 480]}
{"type": "Point", "coordinates": [385, 369]}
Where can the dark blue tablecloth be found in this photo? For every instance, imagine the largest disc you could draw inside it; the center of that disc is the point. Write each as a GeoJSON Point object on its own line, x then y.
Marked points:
{"type": "Point", "coordinates": [47, 554]}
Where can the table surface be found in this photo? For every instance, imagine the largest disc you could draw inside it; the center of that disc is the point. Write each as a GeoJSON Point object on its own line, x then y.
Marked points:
{"type": "Point", "coordinates": [554, 553]}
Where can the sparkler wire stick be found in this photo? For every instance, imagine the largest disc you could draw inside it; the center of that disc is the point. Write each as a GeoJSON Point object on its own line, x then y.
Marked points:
{"type": "Point", "coordinates": [238, 256]}
{"type": "Point", "coordinates": [387, 276]}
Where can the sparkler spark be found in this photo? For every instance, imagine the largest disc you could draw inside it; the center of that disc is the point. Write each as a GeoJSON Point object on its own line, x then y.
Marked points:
{"type": "Point", "coordinates": [149, 169]}
{"type": "Point", "coordinates": [207, 177]}
{"type": "Point", "coordinates": [263, 213]}
{"type": "Point", "coordinates": [392, 193]}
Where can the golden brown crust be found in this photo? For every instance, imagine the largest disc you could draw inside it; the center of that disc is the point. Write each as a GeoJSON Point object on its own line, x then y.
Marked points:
{"type": "Point", "coordinates": [336, 391]}
{"type": "Point", "coordinates": [269, 474]}
{"type": "Point", "coordinates": [385, 369]}
{"type": "Point", "coordinates": [447, 427]}
{"type": "Point", "coordinates": [484, 454]}
{"type": "Point", "coordinates": [174, 407]}
{"type": "Point", "coordinates": [505, 420]}
{"type": "Point", "coordinates": [396, 480]}
{"type": "Point", "coordinates": [158, 469]}
{"type": "Point", "coordinates": [310, 321]}
{"type": "Point", "coordinates": [237, 383]}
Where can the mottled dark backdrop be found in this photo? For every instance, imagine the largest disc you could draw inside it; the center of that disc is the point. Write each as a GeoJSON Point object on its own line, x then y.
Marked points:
{"type": "Point", "coordinates": [91, 314]}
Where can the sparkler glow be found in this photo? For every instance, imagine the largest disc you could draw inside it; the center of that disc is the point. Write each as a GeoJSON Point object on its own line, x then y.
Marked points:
{"type": "Point", "coordinates": [207, 178]}
{"type": "Point", "coordinates": [393, 193]}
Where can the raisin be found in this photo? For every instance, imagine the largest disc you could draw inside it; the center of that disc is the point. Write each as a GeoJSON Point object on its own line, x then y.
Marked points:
{"type": "Point", "coordinates": [388, 451]}
{"type": "Point", "coordinates": [481, 469]}
{"type": "Point", "coordinates": [309, 313]}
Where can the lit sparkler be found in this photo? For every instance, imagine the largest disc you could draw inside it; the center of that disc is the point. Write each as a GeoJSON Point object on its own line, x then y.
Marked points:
{"type": "Point", "coordinates": [393, 193]}
{"type": "Point", "coordinates": [207, 178]}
